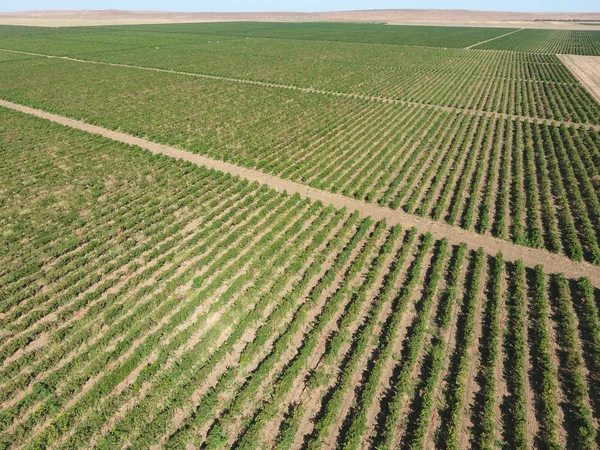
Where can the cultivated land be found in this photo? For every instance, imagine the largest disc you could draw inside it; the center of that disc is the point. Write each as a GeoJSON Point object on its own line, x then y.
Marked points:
{"type": "Point", "coordinates": [241, 296]}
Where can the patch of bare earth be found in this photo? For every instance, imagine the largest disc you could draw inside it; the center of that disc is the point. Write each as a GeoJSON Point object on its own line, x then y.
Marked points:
{"type": "Point", "coordinates": [586, 69]}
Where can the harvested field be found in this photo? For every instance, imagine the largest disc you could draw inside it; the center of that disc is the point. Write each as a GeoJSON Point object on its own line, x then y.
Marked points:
{"type": "Point", "coordinates": [202, 246]}
{"type": "Point", "coordinates": [587, 70]}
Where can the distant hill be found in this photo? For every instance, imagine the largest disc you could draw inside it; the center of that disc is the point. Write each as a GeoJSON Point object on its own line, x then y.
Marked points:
{"type": "Point", "coordinates": [397, 16]}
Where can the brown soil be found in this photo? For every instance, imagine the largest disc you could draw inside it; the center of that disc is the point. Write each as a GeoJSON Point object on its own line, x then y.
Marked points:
{"type": "Point", "coordinates": [586, 69]}
{"type": "Point", "coordinates": [38, 344]}
{"type": "Point", "coordinates": [455, 235]}
{"type": "Point", "coordinates": [441, 17]}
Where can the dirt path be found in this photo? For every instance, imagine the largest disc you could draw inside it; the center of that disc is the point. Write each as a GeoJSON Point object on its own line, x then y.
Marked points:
{"type": "Point", "coordinates": [586, 69]}
{"type": "Point", "coordinates": [494, 38]}
{"type": "Point", "coordinates": [475, 112]}
{"type": "Point", "coordinates": [455, 235]}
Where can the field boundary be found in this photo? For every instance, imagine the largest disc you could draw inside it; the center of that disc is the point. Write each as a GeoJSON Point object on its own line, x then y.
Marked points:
{"type": "Point", "coordinates": [493, 39]}
{"type": "Point", "coordinates": [455, 235]}
{"type": "Point", "coordinates": [475, 112]}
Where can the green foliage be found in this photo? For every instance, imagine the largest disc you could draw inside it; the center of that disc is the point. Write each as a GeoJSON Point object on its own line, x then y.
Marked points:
{"type": "Point", "coordinates": [576, 42]}
{"type": "Point", "coordinates": [445, 165]}
{"type": "Point", "coordinates": [146, 301]}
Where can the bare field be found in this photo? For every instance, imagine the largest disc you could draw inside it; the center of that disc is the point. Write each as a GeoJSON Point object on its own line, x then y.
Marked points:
{"type": "Point", "coordinates": [586, 69]}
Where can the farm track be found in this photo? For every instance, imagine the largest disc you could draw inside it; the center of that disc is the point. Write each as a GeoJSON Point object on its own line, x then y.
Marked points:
{"type": "Point", "coordinates": [455, 235]}
{"type": "Point", "coordinates": [475, 112]}
{"type": "Point", "coordinates": [494, 38]}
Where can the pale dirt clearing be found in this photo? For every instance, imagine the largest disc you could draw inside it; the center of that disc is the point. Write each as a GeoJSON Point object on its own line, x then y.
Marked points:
{"type": "Point", "coordinates": [471, 111]}
{"type": "Point", "coordinates": [455, 235]}
{"type": "Point", "coordinates": [586, 69]}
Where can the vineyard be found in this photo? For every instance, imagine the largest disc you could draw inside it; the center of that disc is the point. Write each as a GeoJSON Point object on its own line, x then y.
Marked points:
{"type": "Point", "coordinates": [149, 302]}
{"type": "Point", "coordinates": [532, 85]}
{"type": "Point", "coordinates": [549, 41]}
{"type": "Point", "coordinates": [533, 183]}
{"type": "Point", "coordinates": [454, 37]}
{"type": "Point", "coordinates": [166, 304]}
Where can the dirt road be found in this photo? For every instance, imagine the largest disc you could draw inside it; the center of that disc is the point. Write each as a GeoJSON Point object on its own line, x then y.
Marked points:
{"type": "Point", "coordinates": [494, 38]}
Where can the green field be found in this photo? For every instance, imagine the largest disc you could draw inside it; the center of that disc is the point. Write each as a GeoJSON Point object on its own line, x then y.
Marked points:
{"type": "Point", "coordinates": [549, 41]}
{"type": "Point", "coordinates": [514, 83]}
{"type": "Point", "coordinates": [147, 302]}
{"type": "Point", "coordinates": [454, 37]}
{"type": "Point", "coordinates": [535, 184]}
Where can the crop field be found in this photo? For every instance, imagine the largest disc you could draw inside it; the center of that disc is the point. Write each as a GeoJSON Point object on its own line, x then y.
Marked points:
{"type": "Point", "coordinates": [340, 32]}
{"type": "Point", "coordinates": [534, 183]}
{"type": "Point", "coordinates": [504, 82]}
{"type": "Point", "coordinates": [151, 302]}
{"type": "Point", "coordinates": [549, 41]}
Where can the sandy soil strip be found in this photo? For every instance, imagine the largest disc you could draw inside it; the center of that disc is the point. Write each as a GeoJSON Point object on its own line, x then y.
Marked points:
{"type": "Point", "coordinates": [494, 38]}
{"type": "Point", "coordinates": [586, 69]}
{"type": "Point", "coordinates": [455, 235]}
{"type": "Point", "coordinates": [475, 112]}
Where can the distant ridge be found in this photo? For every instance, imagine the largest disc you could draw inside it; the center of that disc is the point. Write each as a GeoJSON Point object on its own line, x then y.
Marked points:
{"type": "Point", "coordinates": [399, 16]}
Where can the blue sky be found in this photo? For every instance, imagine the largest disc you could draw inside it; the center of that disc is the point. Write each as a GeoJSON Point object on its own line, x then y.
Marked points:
{"type": "Point", "coordinates": [301, 5]}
